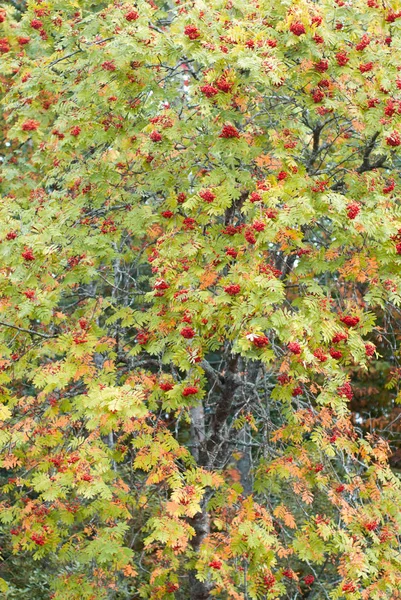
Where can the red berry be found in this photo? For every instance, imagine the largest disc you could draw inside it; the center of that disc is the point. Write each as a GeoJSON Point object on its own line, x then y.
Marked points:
{"type": "Point", "coordinates": [309, 579]}
{"type": "Point", "coordinates": [75, 131]}
{"type": "Point", "coordinates": [255, 197]}
{"type": "Point", "coordinates": [215, 564]}
{"type": "Point", "coordinates": [335, 353]}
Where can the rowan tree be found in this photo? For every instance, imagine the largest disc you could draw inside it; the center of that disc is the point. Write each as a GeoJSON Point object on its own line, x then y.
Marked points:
{"type": "Point", "coordinates": [200, 263]}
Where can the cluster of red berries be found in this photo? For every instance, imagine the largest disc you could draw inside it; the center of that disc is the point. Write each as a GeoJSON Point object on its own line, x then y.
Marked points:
{"type": "Point", "coordinates": [370, 349]}
{"type": "Point", "coordinates": [345, 390]}
{"type": "Point", "coordinates": [349, 587]}
{"type": "Point", "coordinates": [229, 131]}
{"type": "Point", "coordinates": [249, 236]}
{"type": "Point", "coordinates": [142, 337]}
{"type": "Point", "coordinates": [342, 58]}
{"type": "Point", "coordinates": [207, 195]}
{"type": "Point", "coordinates": [155, 136]}
{"type": "Point", "coordinates": [371, 525]}
{"type": "Point", "coordinates": [166, 386]}
{"type": "Point", "coordinates": [132, 15]}
{"type": "Point", "coordinates": [365, 41]}
{"type": "Point", "coordinates": [215, 564]}
{"type": "Point", "coordinates": [294, 347]}
{"type": "Point", "coordinates": [309, 579]}
{"type": "Point", "coordinates": [161, 285]}
{"type": "Point", "coordinates": [108, 65]}
{"type": "Point", "coordinates": [320, 355]}
{"type": "Point", "coordinates": [28, 254]}
{"type": "Point", "coordinates": [255, 197]}
{"type": "Point", "coordinates": [38, 539]}
{"type": "Point", "coordinates": [350, 321]}
{"type": "Point", "coordinates": [209, 90]}
{"type": "Point", "coordinates": [231, 252]}
{"type": "Point", "coordinates": [261, 341]}
{"type": "Point", "coordinates": [353, 209]}
{"type": "Point", "coordinates": [192, 32]}
{"type": "Point", "coordinates": [30, 294]}
{"type": "Point", "coordinates": [365, 68]}
{"type": "Point", "coordinates": [269, 581]}
{"type": "Point", "coordinates": [190, 390]}
{"type": "Point", "coordinates": [322, 65]}
{"type": "Point", "coordinates": [393, 139]}
{"type": "Point", "coordinates": [339, 337]}
{"type": "Point", "coordinates": [75, 131]}
{"type": "Point", "coordinates": [232, 289]}
{"type": "Point", "coordinates": [297, 28]}
{"type": "Point", "coordinates": [187, 333]}
{"type": "Point", "coordinates": [30, 125]}
{"type": "Point", "coordinates": [317, 96]}
{"type": "Point", "coordinates": [4, 46]}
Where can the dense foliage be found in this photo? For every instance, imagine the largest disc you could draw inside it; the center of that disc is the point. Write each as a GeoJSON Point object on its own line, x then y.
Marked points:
{"type": "Point", "coordinates": [200, 274]}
